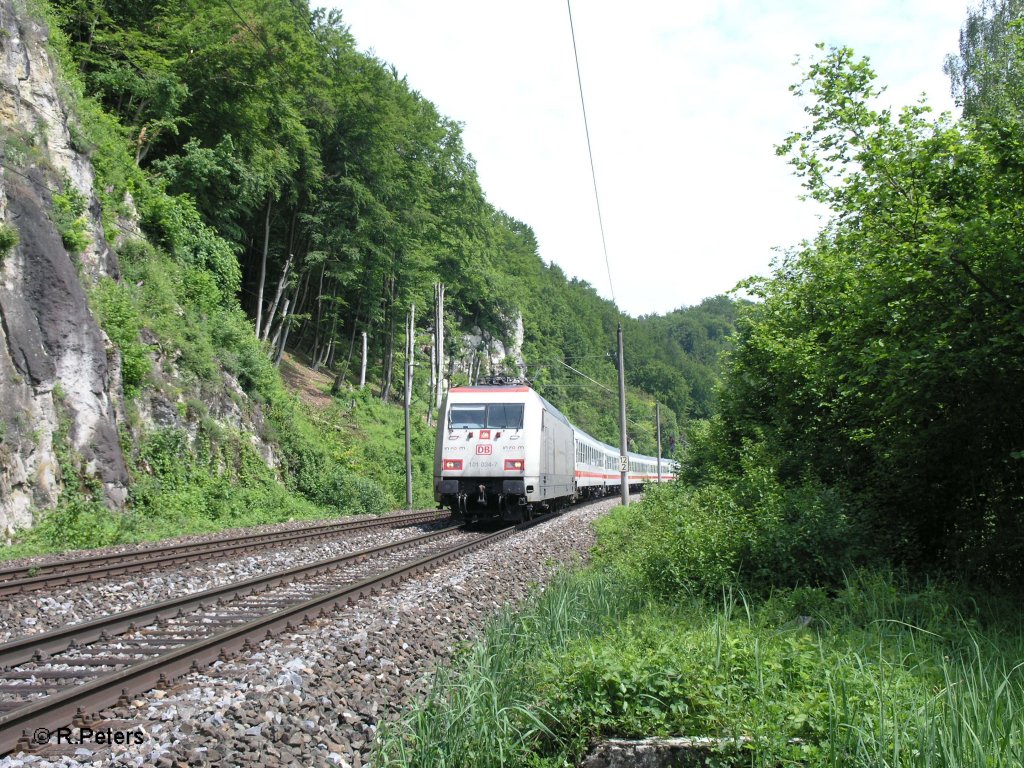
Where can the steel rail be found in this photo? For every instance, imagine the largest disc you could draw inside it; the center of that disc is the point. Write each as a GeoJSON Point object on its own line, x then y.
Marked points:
{"type": "Point", "coordinates": [28, 578]}
{"type": "Point", "coordinates": [29, 647]}
{"type": "Point", "coordinates": [69, 704]}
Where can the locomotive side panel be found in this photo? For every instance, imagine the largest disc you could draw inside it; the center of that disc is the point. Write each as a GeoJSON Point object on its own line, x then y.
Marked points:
{"type": "Point", "coordinates": [558, 450]}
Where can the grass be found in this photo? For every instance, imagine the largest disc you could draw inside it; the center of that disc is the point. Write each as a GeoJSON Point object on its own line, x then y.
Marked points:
{"type": "Point", "coordinates": [482, 714]}
{"type": "Point", "coordinates": [883, 673]}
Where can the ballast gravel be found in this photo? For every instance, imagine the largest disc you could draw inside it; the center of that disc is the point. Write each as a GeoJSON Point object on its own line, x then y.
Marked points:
{"type": "Point", "coordinates": [313, 697]}
{"type": "Point", "coordinates": [36, 612]}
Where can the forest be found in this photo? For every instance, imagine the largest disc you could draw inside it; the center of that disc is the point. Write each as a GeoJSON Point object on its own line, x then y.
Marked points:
{"type": "Point", "coordinates": [329, 197]}
{"type": "Point", "coordinates": [271, 194]}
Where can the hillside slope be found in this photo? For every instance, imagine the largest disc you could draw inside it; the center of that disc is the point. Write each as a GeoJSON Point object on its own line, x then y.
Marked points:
{"type": "Point", "coordinates": [146, 232]}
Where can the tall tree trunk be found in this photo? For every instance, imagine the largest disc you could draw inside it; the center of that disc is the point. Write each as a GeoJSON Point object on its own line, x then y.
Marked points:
{"type": "Point", "coordinates": [389, 356]}
{"type": "Point", "coordinates": [301, 298]}
{"type": "Point", "coordinates": [280, 327]}
{"type": "Point", "coordinates": [319, 314]}
{"type": "Point", "coordinates": [282, 284]}
{"type": "Point", "coordinates": [331, 354]}
{"type": "Point", "coordinates": [362, 372]}
{"type": "Point", "coordinates": [263, 266]}
{"type": "Point", "coordinates": [389, 363]}
{"type": "Point", "coordinates": [284, 339]}
{"type": "Point", "coordinates": [329, 346]}
{"type": "Point", "coordinates": [340, 378]}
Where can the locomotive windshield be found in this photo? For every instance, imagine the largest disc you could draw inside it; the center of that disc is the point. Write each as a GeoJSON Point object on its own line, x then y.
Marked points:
{"type": "Point", "coordinates": [486, 416]}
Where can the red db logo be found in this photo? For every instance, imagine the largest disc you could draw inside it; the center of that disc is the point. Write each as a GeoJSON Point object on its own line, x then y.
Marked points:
{"type": "Point", "coordinates": [483, 449]}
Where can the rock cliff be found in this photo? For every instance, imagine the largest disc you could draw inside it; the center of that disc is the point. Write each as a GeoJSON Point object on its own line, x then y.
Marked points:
{"type": "Point", "coordinates": [59, 375]}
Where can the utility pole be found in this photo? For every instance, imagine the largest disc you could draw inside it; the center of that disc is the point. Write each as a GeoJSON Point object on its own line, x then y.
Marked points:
{"type": "Point", "coordinates": [430, 389]}
{"type": "Point", "coordinates": [657, 416]}
{"type": "Point", "coordinates": [409, 347]}
{"type": "Point", "coordinates": [623, 451]}
{"type": "Point", "coordinates": [439, 345]}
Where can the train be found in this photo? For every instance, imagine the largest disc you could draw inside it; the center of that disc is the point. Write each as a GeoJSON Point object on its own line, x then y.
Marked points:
{"type": "Point", "coordinates": [504, 451]}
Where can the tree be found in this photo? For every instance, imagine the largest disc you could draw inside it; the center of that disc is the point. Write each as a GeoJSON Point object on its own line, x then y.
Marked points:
{"type": "Point", "coordinates": [987, 75]}
{"type": "Point", "coordinates": [884, 355]}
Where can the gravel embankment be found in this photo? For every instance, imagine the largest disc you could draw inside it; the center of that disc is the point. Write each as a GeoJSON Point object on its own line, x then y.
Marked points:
{"type": "Point", "coordinates": [314, 697]}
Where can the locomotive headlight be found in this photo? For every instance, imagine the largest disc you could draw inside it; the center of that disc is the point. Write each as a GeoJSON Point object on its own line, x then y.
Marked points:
{"type": "Point", "coordinates": [451, 464]}
{"type": "Point", "coordinates": [514, 465]}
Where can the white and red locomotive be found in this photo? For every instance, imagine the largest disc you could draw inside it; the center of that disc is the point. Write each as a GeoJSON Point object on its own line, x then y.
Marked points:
{"type": "Point", "coordinates": [503, 450]}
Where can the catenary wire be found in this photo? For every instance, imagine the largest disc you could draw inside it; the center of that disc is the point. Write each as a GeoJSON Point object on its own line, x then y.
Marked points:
{"type": "Point", "coordinates": [590, 153]}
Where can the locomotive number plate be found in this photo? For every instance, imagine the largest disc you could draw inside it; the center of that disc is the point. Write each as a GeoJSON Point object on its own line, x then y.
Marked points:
{"type": "Point", "coordinates": [483, 449]}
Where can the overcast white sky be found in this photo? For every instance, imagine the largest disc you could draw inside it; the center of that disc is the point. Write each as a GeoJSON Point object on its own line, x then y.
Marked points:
{"type": "Point", "coordinates": [685, 101]}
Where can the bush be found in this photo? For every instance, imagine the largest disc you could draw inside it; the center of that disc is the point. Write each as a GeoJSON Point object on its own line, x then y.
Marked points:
{"type": "Point", "coordinates": [8, 239]}
{"type": "Point", "coordinates": [121, 321]}
{"type": "Point", "coordinates": [755, 529]}
{"type": "Point", "coordinates": [68, 216]}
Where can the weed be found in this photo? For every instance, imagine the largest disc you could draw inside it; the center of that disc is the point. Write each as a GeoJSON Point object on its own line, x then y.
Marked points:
{"type": "Point", "coordinates": [68, 216]}
{"type": "Point", "coordinates": [8, 240]}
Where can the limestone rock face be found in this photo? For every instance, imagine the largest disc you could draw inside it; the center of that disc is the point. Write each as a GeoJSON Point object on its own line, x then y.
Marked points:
{"type": "Point", "coordinates": [483, 354]}
{"type": "Point", "coordinates": [59, 375]}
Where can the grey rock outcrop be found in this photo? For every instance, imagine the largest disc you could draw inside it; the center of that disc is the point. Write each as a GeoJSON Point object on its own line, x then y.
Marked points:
{"type": "Point", "coordinates": [59, 375]}
{"type": "Point", "coordinates": [483, 354]}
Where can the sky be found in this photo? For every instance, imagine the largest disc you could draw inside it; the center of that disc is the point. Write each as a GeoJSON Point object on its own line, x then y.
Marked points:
{"type": "Point", "coordinates": [685, 103]}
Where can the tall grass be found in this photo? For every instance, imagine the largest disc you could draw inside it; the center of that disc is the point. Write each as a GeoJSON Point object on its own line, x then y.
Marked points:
{"type": "Point", "coordinates": [481, 712]}
{"type": "Point", "coordinates": [881, 674]}
{"type": "Point", "coordinates": [972, 718]}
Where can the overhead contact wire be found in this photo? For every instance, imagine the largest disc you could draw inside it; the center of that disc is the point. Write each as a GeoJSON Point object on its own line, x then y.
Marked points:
{"type": "Point", "coordinates": [590, 152]}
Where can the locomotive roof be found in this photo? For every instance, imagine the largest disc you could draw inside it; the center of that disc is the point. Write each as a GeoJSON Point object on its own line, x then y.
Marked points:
{"type": "Point", "coordinates": [498, 389]}
{"type": "Point", "coordinates": [493, 388]}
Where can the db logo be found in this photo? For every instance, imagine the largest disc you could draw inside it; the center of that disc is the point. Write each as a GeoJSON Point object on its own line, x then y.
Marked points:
{"type": "Point", "coordinates": [483, 449]}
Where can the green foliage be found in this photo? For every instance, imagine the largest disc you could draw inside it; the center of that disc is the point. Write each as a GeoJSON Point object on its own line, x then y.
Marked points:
{"type": "Point", "coordinates": [219, 482]}
{"type": "Point", "coordinates": [753, 529]}
{"type": "Point", "coordinates": [175, 224]}
{"type": "Point", "coordinates": [481, 714]}
{"type": "Point", "coordinates": [8, 239]}
{"type": "Point", "coordinates": [68, 216]}
{"type": "Point", "coordinates": [884, 673]}
{"type": "Point", "coordinates": [883, 358]}
{"type": "Point", "coordinates": [76, 523]}
{"type": "Point", "coordinates": [22, 147]}
{"type": "Point", "coordinates": [986, 74]}
{"type": "Point", "coordinates": [321, 155]}
{"type": "Point", "coordinates": [122, 321]}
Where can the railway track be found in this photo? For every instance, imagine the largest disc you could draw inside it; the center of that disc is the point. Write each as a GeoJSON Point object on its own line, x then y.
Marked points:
{"type": "Point", "coordinates": [56, 678]}
{"type": "Point", "coordinates": [27, 578]}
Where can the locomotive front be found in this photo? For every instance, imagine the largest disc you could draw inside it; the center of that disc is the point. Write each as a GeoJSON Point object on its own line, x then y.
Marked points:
{"type": "Point", "coordinates": [484, 451]}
